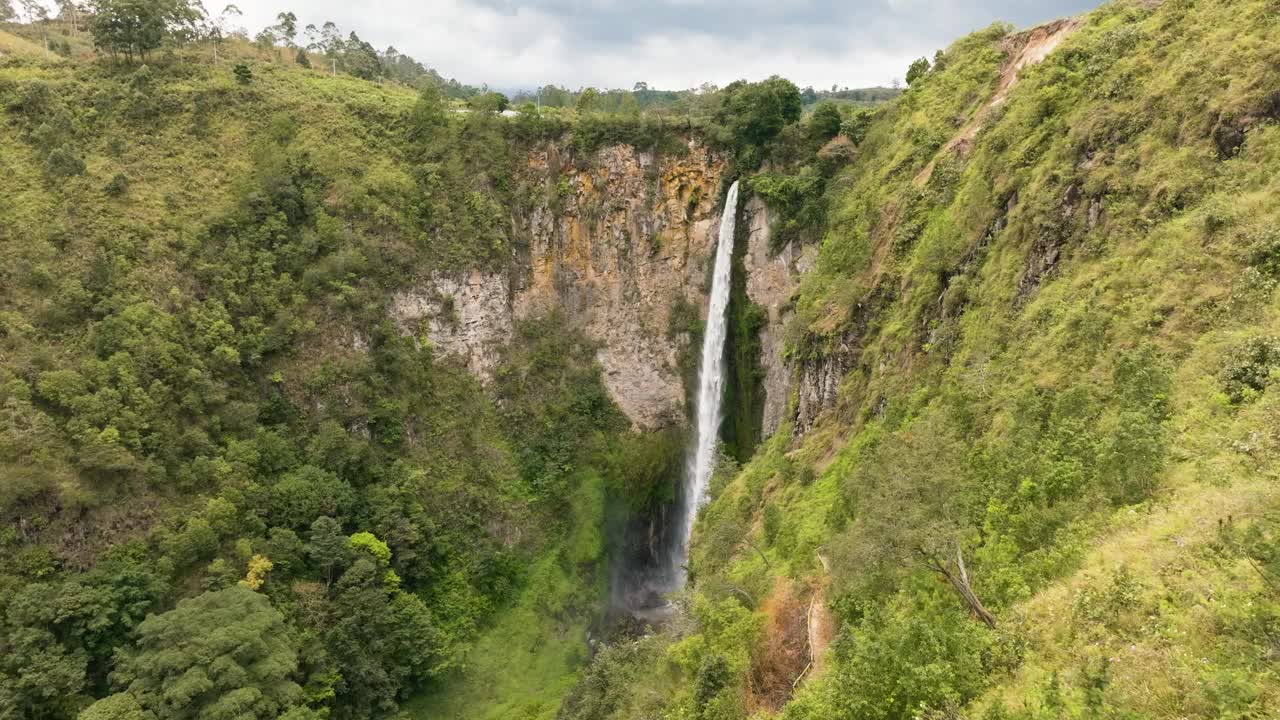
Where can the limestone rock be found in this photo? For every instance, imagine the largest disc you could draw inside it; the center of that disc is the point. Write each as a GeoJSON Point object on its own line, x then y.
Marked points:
{"type": "Point", "coordinates": [615, 241]}
{"type": "Point", "coordinates": [771, 282]}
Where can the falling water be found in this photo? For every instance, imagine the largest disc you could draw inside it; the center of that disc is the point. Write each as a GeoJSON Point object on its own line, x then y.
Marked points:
{"type": "Point", "coordinates": [710, 385]}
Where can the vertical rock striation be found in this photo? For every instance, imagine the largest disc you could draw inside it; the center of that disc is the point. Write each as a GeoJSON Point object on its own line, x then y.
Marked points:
{"type": "Point", "coordinates": [771, 282]}
{"type": "Point", "coordinates": [616, 240]}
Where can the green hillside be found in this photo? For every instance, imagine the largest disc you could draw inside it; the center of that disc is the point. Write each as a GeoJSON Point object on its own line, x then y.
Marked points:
{"type": "Point", "coordinates": [1029, 466]}
{"type": "Point", "coordinates": [1052, 304]}
{"type": "Point", "coordinates": [204, 392]}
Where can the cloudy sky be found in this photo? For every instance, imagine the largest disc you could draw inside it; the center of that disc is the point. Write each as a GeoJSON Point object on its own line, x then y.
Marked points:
{"type": "Point", "coordinates": [666, 43]}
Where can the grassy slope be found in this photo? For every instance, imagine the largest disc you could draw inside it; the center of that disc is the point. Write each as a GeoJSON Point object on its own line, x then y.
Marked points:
{"type": "Point", "coordinates": [1124, 111]}
{"type": "Point", "coordinates": [1074, 426]}
{"type": "Point", "coordinates": [185, 162]}
{"type": "Point", "coordinates": [525, 662]}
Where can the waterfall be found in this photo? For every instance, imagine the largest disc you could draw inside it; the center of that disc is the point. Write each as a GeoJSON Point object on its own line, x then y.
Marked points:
{"type": "Point", "coordinates": [710, 393]}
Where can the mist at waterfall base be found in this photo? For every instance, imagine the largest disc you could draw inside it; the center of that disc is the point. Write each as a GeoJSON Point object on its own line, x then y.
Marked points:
{"type": "Point", "coordinates": [654, 562]}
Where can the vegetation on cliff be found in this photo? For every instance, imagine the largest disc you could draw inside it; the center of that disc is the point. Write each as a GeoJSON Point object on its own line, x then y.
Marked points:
{"type": "Point", "coordinates": [215, 438]}
{"type": "Point", "coordinates": [1043, 484]}
{"type": "Point", "coordinates": [1030, 466]}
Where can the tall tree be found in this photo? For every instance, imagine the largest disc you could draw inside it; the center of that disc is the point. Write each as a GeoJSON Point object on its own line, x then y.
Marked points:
{"type": "Point", "coordinates": [924, 504]}
{"type": "Point", "coordinates": [382, 639]}
{"type": "Point", "coordinates": [222, 654]}
{"type": "Point", "coordinates": [361, 59]}
{"type": "Point", "coordinates": [136, 27]}
{"type": "Point", "coordinates": [6, 11]}
{"type": "Point", "coordinates": [824, 123]}
{"type": "Point", "coordinates": [287, 27]}
{"type": "Point", "coordinates": [328, 546]}
{"type": "Point", "coordinates": [34, 10]}
{"type": "Point", "coordinates": [918, 69]}
{"type": "Point", "coordinates": [754, 113]}
{"type": "Point", "coordinates": [587, 99]}
{"type": "Point", "coordinates": [67, 11]}
{"type": "Point", "coordinates": [219, 27]}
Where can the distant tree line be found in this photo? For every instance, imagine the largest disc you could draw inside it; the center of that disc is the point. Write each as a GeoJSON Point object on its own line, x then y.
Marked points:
{"type": "Point", "coordinates": [131, 30]}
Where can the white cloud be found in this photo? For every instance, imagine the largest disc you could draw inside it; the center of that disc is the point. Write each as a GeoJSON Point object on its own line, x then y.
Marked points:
{"type": "Point", "coordinates": [667, 43]}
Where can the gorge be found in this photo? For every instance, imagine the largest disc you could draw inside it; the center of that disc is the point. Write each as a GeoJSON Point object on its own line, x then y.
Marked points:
{"type": "Point", "coordinates": [334, 390]}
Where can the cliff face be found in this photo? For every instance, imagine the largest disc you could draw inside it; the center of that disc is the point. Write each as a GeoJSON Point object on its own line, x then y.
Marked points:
{"type": "Point", "coordinates": [617, 243]}
{"type": "Point", "coordinates": [771, 283]}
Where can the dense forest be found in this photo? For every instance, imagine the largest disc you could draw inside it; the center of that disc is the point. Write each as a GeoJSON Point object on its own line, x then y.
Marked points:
{"type": "Point", "coordinates": [1028, 465]}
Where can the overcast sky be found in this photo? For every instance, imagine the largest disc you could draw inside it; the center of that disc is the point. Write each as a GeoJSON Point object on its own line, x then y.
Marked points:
{"type": "Point", "coordinates": [666, 43]}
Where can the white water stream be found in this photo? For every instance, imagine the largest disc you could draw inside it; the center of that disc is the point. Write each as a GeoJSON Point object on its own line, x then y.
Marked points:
{"type": "Point", "coordinates": [711, 372]}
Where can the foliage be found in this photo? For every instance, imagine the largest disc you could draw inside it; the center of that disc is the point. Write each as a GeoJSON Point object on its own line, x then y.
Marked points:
{"type": "Point", "coordinates": [797, 199]}
{"type": "Point", "coordinates": [1037, 338]}
{"type": "Point", "coordinates": [824, 123]}
{"type": "Point", "coordinates": [179, 385]}
{"type": "Point", "coordinates": [753, 114]}
{"type": "Point", "coordinates": [918, 70]}
{"type": "Point", "coordinates": [137, 27]}
{"type": "Point", "coordinates": [1250, 366]}
{"type": "Point", "coordinates": [220, 654]}
{"type": "Point", "coordinates": [1035, 373]}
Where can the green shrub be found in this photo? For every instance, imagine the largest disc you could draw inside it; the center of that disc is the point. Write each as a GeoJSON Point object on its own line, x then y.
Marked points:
{"type": "Point", "coordinates": [918, 70]}
{"type": "Point", "coordinates": [857, 125]}
{"type": "Point", "coordinates": [1249, 368]}
{"type": "Point", "coordinates": [797, 200]}
{"type": "Point", "coordinates": [63, 162]}
{"type": "Point", "coordinates": [118, 185]}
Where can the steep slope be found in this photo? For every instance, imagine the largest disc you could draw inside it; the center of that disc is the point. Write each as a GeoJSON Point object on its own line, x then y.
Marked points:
{"type": "Point", "coordinates": [1030, 459]}
{"type": "Point", "coordinates": [227, 359]}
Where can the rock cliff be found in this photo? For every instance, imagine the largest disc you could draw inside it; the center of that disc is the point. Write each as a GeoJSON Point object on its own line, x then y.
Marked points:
{"type": "Point", "coordinates": [771, 282]}
{"type": "Point", "coordinates": [617, 240]}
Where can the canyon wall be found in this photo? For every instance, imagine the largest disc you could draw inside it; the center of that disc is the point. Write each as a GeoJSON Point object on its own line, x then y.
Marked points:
{"type": "Point", "coordinates": [771, 282]}
{"type": "Point", "coordinates": [617, 242]}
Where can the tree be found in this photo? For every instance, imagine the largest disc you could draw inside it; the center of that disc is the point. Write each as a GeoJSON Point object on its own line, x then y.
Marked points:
{"type": "Point", "coordinates": [922, 505]}
{"type": "Point", "coordinates": [222, 654]}
{"type": "Point", "coordinates": [136, 27]}
{"type": "Point", "coordinates": [361, 59]}
{"type": "Point", "coordinates": [489, 102]}
{"type": "Point", "coordinates": [587, 99]}
{"type": "Point", "coordinates": [121, 706]}
{"type": "Point", "coordinates": [328, 548]}
{"type": "Point", "coordinates": [287, 27]}
{"type": "Point", "coordinates": [753, 114]}
{"type": "Point", "coordinates": [629, 105]}
{"type": "Point", "coordinates": [426, 123]}
{"type": "Point", "coordinates": [326, 40]}
{"type": "Point", "coordinates": [34, 10]}
{"type": "Point", "coordinates": [306, 493]}
{"type": "Point", "coordinates": [7, 13]}
{"type": "Point", "coordinates": [918, 69]}
{"type": "Point", "coordinates": [380, 637]}
{"type": "Point", "coordinates": [219, 28]}
{"type": "Point", "coordinates": [858, 125]}
{"type": "Point", "coordinates": [366, 544]}
{"type": "Point", "coordinates": [67, 10]}
{"type": "Point", "coordinates": [824, 123]}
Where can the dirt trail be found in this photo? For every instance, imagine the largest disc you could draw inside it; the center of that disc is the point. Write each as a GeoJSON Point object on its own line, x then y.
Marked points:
{"type": "Point", "coordinates": [1022, 51]}
{"type": "Point", "coordinates": [821, 625]}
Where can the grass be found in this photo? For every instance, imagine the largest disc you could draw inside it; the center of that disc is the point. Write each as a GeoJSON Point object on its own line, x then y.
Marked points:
{"type": "Point", "coordinates": [521, 666]}
{"type": "Point", "coordinates": [1064, 296]}
{"type": "Point", "coordinates": [533, 651]}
